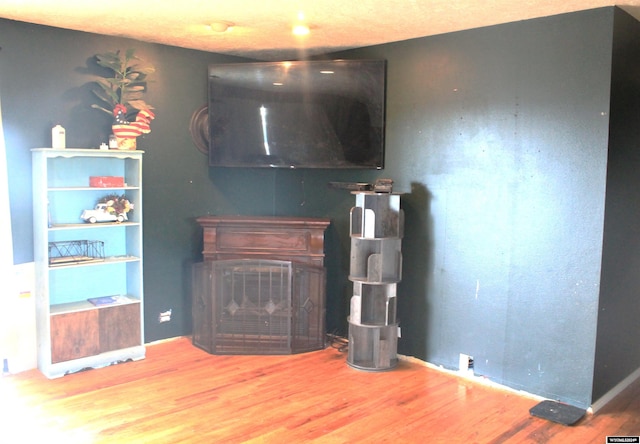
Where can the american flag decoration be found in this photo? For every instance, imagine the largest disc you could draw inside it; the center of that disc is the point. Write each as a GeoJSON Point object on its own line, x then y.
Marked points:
{"type": "Point", "coordinates": [130, 130]}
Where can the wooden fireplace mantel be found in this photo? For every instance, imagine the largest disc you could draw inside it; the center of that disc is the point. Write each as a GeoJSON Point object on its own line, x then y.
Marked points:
{"type": "Point", "coordinates": [296, 239]}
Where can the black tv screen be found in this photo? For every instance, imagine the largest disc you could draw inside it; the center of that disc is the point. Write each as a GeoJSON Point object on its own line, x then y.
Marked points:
{"type": "Point", "coordinates": [300, 114]}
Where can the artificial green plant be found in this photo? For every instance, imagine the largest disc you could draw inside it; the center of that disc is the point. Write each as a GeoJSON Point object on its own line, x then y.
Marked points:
{"type": "Point", "coordinates": [128, 84]}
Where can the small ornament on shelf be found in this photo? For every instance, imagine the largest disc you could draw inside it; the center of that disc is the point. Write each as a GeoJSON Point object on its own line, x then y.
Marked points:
{"type": "Point", "coordinates": [58, 137]}
{"type": "Point", "coordinates": [106, 181]}
{"type": "Point", "coordinates": [111, 208]}
{"type": "Point", "coordinates": [117, 204]}
{"type": "Point", "coordinates": [113, 142]}
{"type": "Point", "coordinates": [125, 131]}
{"type": "Point", "coordinates": [75, 252]}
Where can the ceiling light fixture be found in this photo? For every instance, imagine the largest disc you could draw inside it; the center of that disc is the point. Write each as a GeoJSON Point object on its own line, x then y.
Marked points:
{"type": "Point", "coordinates": [221, 26]}
{"type": "Point", "coordinates": [300, 28]}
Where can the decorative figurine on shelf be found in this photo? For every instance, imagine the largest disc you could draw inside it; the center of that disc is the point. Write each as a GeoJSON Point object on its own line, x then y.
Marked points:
{"type": "Point", "coordinates": [126, 132]}
{"type": "Point", "coordinates": [122, 95]}
{"type": "Point", "coordinates": [110, 208]}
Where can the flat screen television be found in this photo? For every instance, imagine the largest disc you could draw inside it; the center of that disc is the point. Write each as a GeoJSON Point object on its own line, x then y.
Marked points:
{"type": "Point", "coordinates": [299, 114]}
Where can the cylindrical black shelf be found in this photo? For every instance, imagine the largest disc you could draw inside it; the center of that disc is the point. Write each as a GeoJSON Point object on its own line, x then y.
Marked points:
{"type": "Point", "coordinates": [377, 226]}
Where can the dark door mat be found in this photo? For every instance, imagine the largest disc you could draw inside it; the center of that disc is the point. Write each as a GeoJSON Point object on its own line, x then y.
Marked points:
{"type": "Point", "coordinates": [558, 412]}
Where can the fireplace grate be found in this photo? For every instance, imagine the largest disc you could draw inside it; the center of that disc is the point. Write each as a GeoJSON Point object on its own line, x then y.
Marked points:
{"type": "Point", "coordinates": [251, 306]}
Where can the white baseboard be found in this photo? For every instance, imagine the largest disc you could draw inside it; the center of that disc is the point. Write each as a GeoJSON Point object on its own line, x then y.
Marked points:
{"type": "Point", "coordinates": [626, 382]}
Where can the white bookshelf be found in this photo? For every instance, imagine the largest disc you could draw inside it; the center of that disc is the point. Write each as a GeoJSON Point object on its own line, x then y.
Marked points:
{"type": "Point", "coordinates": [72, 333]}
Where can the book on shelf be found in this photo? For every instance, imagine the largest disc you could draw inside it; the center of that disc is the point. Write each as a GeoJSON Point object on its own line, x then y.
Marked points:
{"type": "Point", "coordinates": [109, 300]}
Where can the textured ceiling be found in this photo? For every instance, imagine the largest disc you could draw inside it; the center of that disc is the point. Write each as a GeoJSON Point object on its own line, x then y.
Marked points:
{"type": "Point", "coordinates": [263, 27]}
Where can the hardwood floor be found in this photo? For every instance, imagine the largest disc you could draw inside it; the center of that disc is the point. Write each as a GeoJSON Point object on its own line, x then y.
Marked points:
{"type": "Point", "coordinates": [181, 394]}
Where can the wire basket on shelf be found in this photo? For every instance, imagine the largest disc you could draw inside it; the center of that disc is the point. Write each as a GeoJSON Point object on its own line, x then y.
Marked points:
{"type": "Point", "coordinates": [75, 252]}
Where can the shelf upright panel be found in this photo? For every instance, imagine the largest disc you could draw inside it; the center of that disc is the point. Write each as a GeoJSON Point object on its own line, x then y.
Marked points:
{"type": "Point", "coordinates": [41, 224]}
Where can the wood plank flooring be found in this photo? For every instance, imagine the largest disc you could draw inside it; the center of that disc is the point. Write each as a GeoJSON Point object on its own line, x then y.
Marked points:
{"type": "Point", "coordinates": [181, 394]}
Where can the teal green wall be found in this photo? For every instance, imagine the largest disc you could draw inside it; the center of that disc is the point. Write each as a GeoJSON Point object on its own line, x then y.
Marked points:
{"type": "Point", "coordinates": [500, 139]}
{"type": "Point", "coordinates": [45, 79]}
{"type": "Point", "coordinates": [504, 135]}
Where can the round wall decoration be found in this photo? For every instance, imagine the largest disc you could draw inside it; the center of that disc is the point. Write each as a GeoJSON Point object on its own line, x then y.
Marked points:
{"type": "Point", "coordinates": [199, 128]}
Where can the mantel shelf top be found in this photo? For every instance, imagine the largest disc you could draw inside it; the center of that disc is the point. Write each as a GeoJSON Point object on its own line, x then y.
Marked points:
{"type": "Point", "coordinates": [298, 239]}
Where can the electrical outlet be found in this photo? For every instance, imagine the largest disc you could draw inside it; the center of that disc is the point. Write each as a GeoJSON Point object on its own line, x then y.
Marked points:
{"type": "Point", "coordinates": [465, 363]}
{"type": "Point", "coordinates": [165, 316]}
